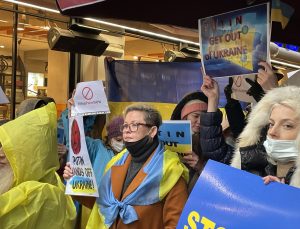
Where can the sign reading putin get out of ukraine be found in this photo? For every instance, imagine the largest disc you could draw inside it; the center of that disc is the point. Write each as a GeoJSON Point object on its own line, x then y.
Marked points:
{"type": "Point", "coordinates": [233, 43]}
{"type": "Point", "coordinates": [228, 198]}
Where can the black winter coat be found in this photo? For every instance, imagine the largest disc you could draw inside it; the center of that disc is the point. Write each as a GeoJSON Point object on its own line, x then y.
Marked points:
{"type": "Point", "coordinates": [213, 145]}
{"type": "Point", "coordinates": [254, 160]}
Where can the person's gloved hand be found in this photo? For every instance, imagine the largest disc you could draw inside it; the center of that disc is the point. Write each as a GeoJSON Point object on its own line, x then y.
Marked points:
{"type": "Point", "coordinates": [256, 91]}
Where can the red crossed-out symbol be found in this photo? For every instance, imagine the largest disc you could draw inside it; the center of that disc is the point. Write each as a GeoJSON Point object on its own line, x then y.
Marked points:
{"type": "Point", "coordinates": [87, 93]}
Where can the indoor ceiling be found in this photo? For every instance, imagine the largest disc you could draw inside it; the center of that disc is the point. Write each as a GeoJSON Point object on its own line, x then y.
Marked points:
{"type": "Point", "coordinates": [184, 14]}
{"type": "Point", "coordinates": [176, 20]}
{"type": "Point", "coordinates": [32, 31]}
{"type": "Point", "coordinates": [177, 31]}
{"type": "Point", "coordinates": [35, 29]}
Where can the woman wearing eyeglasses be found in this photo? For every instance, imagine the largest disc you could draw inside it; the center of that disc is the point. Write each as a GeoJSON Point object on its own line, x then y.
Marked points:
{"type": "Point", "coordinates": [144, 186]}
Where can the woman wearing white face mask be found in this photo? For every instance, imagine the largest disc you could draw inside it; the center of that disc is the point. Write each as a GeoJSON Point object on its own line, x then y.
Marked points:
{"type": "Point", "coordinates": [114, 135]}
{"type": "Point", "coordinates": [269, 144]}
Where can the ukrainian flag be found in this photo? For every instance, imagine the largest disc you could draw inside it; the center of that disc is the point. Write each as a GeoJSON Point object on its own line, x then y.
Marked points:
{"type": "Point", "coordinates": [281, 12]}
{"type": "Point", "coordinates": [161, 85]}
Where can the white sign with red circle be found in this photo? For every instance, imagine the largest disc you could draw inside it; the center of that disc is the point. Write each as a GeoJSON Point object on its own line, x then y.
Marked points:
{"type": "Point", "coordinates": [90, 99]}
{"type": "Point", "coordinates": [83, 183]}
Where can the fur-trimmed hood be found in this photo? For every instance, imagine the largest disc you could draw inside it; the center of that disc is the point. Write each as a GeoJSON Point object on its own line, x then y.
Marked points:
{"type": "Point", "coordinates": [259, 118]}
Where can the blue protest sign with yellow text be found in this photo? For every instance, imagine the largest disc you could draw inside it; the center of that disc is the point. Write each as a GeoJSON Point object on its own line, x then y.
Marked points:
{"type": "Point", "coordinates": [225, 197]}
{"type": "Point", "coordinates": [176, 135]}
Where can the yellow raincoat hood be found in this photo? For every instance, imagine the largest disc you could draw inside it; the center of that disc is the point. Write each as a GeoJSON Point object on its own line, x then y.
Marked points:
{"type": "Point", "coordinates": [29, 143]}
{"type": "Point", "coordinates": [37, 198]}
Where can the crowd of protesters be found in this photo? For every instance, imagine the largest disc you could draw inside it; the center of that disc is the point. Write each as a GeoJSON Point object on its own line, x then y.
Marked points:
{"type": "Point", "coordinates": [141, 184]}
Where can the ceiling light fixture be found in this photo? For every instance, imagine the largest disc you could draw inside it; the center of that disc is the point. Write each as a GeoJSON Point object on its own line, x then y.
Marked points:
{"type": "Point", "coordinates": [183, 47]}
{"type": "Point", "coordinates": [86, 29]}
{"type": "Point", "coordinates": [45, 27]}
{"type": "Point", "coordinates": [110, 24]}
{"type": "Point", "coordinates": [21, 23]}
{"type": "Point", "coordinates": [134, 29]}
{"type": "Point", "coordinates": [2, 46]}
{"type": "Point", "coordinates": [32, 5]}
{"type": "Point", "coordinates": [130, 29]}
{"type": "Point", "coordinates": [178, 56]}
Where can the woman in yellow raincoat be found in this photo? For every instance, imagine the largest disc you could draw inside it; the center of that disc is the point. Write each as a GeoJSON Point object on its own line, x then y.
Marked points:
{"type": "Point", "coordinates": [34, 195]}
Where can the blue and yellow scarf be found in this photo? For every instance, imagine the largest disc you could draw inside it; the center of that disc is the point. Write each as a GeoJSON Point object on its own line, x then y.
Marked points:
{"type": "Point", "coordinates": [163, 171]}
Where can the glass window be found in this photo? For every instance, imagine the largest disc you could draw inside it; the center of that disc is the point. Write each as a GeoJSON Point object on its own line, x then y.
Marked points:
{"type": "Point", "coordinates": [35, 84]}
{"type": "Point", "coordinates": [5, 61]}
{"type": "Point", "coordinates": [32, 51]}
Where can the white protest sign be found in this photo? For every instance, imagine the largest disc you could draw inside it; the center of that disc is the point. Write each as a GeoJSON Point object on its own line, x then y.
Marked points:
{"type": "Point", "coordinates": [290, 74]}
{"type": "Point", "coordinates": [293, 78]}
{"type": "Point", "coordinates": [176, 135]}
{"type": "Point", "coordinates": [240, 87]}
{"type": "Point", "coordinates": [3, 97]}
{"type": "Point", "coordinates": [83, 183]}
{"type": "Point", "coordinates": [89, 99]}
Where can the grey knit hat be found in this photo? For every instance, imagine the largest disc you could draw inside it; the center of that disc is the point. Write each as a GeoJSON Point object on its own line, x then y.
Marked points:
{"type": "Point", "coordinates": [29, 105]}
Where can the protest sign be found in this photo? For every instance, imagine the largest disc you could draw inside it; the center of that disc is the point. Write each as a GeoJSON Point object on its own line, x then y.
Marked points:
{"type": "Point", "coordinates": [225, 197]}
{"type": "Point", "coordinates": [233, 43]}
{"type": "Point", "coordinates": [293, 73]}
{"type": "Point", "coordinates": [89, 99]}
{"type": "Point", "coordinates": [176, 135]}
{"type": "Point", "coordinates": [240, 87]}
{"type": "Point", "coordinates": [83, 182]}
{"type": "Point", "coordinates": [293, 78]}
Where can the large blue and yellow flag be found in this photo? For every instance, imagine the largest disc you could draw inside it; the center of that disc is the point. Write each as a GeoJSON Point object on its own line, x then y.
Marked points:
{"type": "Point", "coordinates": [161, 85]}
{"type": "Point", "coordinates": [281, 12]}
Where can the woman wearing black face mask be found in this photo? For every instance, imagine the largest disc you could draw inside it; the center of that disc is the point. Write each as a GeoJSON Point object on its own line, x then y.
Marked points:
{"type": "Point", "coordinates": [144, 185]}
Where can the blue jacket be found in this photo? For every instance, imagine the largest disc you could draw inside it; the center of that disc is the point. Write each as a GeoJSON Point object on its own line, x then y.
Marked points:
{"type": "Point", "coordinates": [99, 154]}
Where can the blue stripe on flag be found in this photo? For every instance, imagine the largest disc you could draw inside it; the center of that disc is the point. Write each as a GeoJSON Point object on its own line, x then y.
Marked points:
{"type": "Point", "coordinates": [130, 81]}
